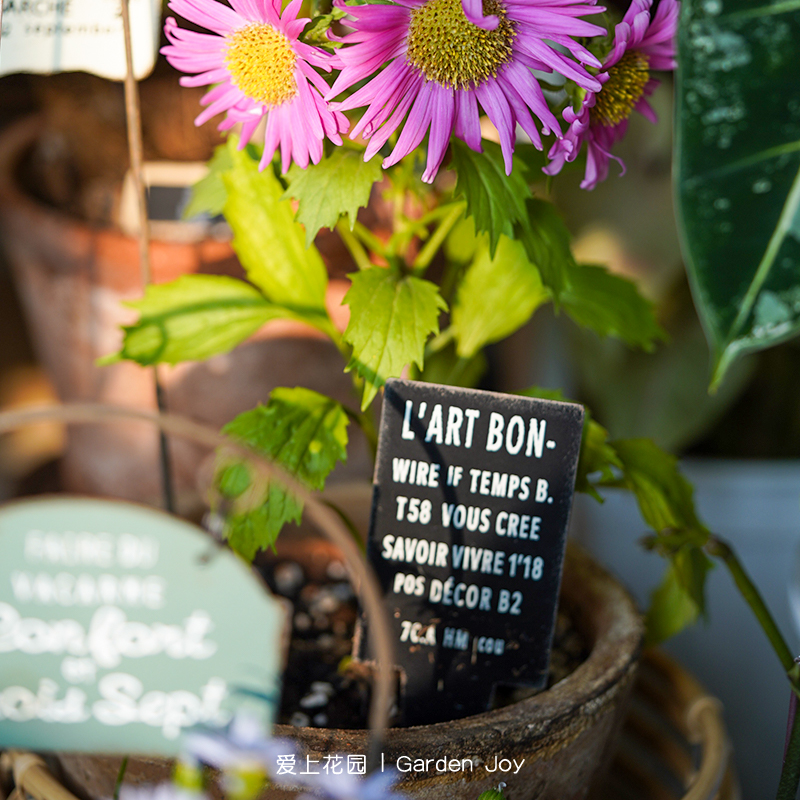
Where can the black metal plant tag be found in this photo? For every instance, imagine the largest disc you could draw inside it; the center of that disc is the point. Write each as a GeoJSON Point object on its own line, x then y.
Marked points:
{"type": "Point", "coordinates": [470, 508]}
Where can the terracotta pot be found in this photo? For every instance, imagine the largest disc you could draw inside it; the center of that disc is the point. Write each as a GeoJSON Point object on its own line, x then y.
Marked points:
{"type": "Point", "coordinates": [565, 734]}
{"type": "Point", "coordinates": [72, 279]}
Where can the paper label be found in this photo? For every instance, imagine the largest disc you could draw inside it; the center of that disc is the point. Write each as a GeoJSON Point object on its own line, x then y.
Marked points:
{"type": "Point", "coordinates": [49, 36]}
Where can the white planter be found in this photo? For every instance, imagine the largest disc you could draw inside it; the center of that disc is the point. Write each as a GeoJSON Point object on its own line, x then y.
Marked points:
{"type": "Point", "coordinates": [755, 505]}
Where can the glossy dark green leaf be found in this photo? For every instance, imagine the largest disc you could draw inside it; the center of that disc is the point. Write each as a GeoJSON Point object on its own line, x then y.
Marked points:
{"type": "Point", "coordinates": [738, 170]}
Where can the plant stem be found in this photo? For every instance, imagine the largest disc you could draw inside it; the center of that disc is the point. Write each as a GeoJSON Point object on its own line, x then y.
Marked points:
{"type": "Point", "coordinates": [426, 255]}
{"type": "Point", "coordinates": [370, 239]}
{"type": "Point", "coordinates": [123, 767]}
{"type": "Point", "coordinates": [722, 550]}
{"type": "Point", "coordinates": [790, 772]}
{"type": "Point", "coordinates": [355, 247]}
{"type": "Point", "coordinates": [440, 341]}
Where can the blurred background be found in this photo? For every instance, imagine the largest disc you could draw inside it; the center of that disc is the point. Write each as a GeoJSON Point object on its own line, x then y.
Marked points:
{"type": "Point", "coordinates": [66, 257]}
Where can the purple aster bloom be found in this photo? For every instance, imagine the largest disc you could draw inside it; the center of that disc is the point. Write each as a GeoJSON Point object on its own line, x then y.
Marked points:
{"type": "Point", "coordinates": [640, 46]}
{"type": "Point", "coordinates": [260, 69]}
{"type": "Point", "coordinates": [447, 58]}
{"type": "Point", "coordinates": [242, 742]}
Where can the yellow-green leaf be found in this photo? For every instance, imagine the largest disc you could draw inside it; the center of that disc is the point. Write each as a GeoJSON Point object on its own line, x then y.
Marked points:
{"type": "Point", "coordinates": [391, 318]}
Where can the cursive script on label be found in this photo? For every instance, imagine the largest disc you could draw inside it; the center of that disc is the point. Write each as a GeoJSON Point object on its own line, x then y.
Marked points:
{"type": "Point", "coordinates": [123, 701]}
{"type": "Point", "coordinates": [110, 637]}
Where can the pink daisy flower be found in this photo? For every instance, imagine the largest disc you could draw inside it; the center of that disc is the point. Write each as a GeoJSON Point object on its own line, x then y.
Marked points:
{"type": "Point", "coordinates": [448, 57]}
{"type": "Point", "coordinates": [640, 45]}
{"type": "Point", "coordinates": [260, 69]}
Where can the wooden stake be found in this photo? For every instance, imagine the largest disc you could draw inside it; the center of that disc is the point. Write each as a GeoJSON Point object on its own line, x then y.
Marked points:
{"type": "Point", "coordinates": [134, 120]}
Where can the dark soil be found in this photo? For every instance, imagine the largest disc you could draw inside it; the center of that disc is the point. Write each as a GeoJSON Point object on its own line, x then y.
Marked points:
{"type": "Point", "coordinates": [322, 686]}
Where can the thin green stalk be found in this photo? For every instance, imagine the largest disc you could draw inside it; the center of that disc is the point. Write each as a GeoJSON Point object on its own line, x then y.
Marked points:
{"type": "Point", "coordinates": [440, 341]}
{"type": "Point", "coordinates": [356, 249]}
{"type": "Point", "coordinates": [370, 239]}
{"type": "Point", "coordinates": [458, 370]}
{"type": "Point", "coordinates": [123, 767]}
{"type": "Point", "coordinates": [718, 548]}
{"type": "Point", "coordinates": [431, 248]}
{"type": "Point", "coordinates": [790, 773]}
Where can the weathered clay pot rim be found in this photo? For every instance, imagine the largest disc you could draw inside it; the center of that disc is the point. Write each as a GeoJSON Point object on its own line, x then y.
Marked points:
{"type": "Point", "coordinates": [110, 246]}
{"type": "Point", "coordinates": [615, 650]}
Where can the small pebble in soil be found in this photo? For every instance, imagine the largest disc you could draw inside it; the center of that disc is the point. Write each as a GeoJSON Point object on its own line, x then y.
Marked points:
{"type": "Point", "coordinates": [314, 700]}
{"type": "Point", "coordinates": [325, 602]}
{"type": "Point", "coordinates": [289, 578]}
{"type": "Point", "coordinates": [299, 720]}
{"type": "Point", "coordinates": [321, 720]}
{"type": "Point", "coordinates": [302, 622]}
{"type": "Point", "coordinates": [336, 571]}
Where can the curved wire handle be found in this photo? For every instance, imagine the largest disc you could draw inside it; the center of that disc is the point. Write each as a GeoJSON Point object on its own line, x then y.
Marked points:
{"type": "Point", "coordinates": [323, 517]}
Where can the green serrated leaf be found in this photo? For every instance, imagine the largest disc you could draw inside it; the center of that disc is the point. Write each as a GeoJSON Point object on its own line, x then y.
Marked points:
{"type": "Point", "coordinates": [495, 200]}
{"type": "Point", "coordinates": [597, 457]}
{"type": "Point", "coordinates": [270, 244]}
{"type": "Point", "coordinates": [303, 431]}
{"type": "Point", "coordinates": [391, 318]}
{"type": "Point", "coordinates": [664, 496]}
{"type": "Point", "coordinates": [738, 171]}
{"type": "Point", "coordinates": [671, 609]}
{"type": "Point", "coordinates": [209, 193]}
{"type": "Point", "coordinates": [610, 305]}
{"type": "Point", "coordinates": [692, 566]}
{"type": "Point", "coordinates": [496, 296]}
{"type": "Point", "coordinates": [193, 318]}
{"type": "Point", "coordinates": [544, 234]}
{"type": "Point", "coordinates": [339, 184]}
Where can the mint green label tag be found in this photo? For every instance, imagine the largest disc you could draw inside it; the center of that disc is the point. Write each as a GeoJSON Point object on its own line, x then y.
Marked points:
{"type": "Point", "coordinates": [121, 627]}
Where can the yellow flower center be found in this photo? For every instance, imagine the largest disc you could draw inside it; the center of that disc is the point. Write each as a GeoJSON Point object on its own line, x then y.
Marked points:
{"type": "Point", "coordinates": [261, 61]}
{"type": "Point", "coordinates": [623, 89]}
{"type": "Point", "coordinates": [447, 48]}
